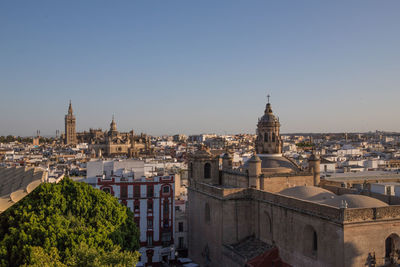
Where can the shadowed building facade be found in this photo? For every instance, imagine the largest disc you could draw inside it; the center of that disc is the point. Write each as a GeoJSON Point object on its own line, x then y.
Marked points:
{"type": "Point", "coordinates": [270, 205]}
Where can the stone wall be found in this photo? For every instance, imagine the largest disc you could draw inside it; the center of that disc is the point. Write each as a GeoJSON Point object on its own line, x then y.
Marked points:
{"type": "Point", "coordinates": [236, 179]}
{"type": "Point", "coordinates": [204, 235]}
{"type": "Point", "coordinates": [344, 237]}
{"type": "Point", "coordinates": [363, 238]}
{"type": "Point", "coordinates": [278, 183]}
{"type": "Point", "coordinates": [275, 183]}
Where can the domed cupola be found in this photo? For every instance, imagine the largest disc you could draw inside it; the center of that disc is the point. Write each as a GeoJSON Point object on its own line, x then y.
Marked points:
{"type": "Point", "coordinates": [113, 128]}
{"type": "Point", "coordinates": [269, 118]}
{"type": "Point", "coordinates": [268, 137]}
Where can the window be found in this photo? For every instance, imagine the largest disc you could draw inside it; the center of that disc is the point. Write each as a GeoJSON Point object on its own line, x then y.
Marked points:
{"type": "Point", "coordinates": [149, 239]}
{"type": "Point", "coordinates": [273, 137]}
{"type": "Point", "coordinates": [191, 170]}
{"type": "Point", "coordinates": [266, 137]}
{"type": "Point", "coordinates": [150, 223]}
{"type": "Point", "coordinates": [150, 206]}
{"type": "Point", "coordinates": [207, 215]}
{"type": "Point", "coordinates": [165, 223]}
{"type": "Point", "coordinates": [388, 191]}
{"type": "Point", "coordinates": [207, 170]}
{"type": "Point", "coordinates": [136, 207]}
{"type": "Point", "coordinates": [124, 192]}
{"type": "Point", "coordinates": [107, 190]}
{"type": "Point", "coordinates": [166, 239]}
{"type": "Point", "coordinates": [177, 208]}
{"type": "Point", "coordinates": [315, 242]}
{"type": "Point", "coordinates": [150, 191]}
{"type": "Point", "coordinates": [166, 207]}
{"type": "Point", "coordinates": [180, 227]}
{"type": "Point", "coordinates": [310, 239]}
{"type": "Point", "coordinates": [181, 243]}
{"type": "Point", "coordinates": [137, 221]}
{"type": "Point", "coordinates": [165, 190]}
{"type": "Point", "coordinates": [136, 191]}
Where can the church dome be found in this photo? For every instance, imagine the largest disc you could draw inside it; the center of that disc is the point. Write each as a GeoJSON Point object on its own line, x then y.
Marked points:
{"type": "Point", "coordinates": [268, 117]}
{"type": "Point", "coordinates": [311, 193]}
{"type": "Point", "coordinates": [273, 163]}
{"type": "Point", "coordinates": [355, 201]}
{"type": "Point", "coordinates": [326, 197]}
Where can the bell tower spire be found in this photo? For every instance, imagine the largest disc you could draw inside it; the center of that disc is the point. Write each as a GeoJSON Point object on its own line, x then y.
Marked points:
{"type": "Point", "coordinates": [70, 112]}
{"type": "Point", "coordinates": [70, 126]}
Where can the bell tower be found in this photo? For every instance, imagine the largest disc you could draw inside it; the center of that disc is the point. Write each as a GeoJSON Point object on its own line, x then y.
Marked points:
{"type": "Point", "coordinates": [113, 128]}
{"type": "Point", "coordinates": [70, 127]}
{"type": "Point", "coordinates": [268, 137]}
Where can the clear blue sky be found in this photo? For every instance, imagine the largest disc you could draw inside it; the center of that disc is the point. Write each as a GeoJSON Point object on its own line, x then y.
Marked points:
{"type": "Point", "coordinates": [166, 67]}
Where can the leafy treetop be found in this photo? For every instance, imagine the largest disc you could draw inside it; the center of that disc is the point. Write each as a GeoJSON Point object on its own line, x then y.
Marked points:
{"type": "Point", "coordinates": [68, 224]}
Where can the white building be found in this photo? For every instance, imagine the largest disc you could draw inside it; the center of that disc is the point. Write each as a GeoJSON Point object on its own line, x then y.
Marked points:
{"type": "Point", "coordinates": [327, 166]}
{"type": "Point", "coordinates": [119, 168]}
{"type": "Point", "coordinates": [385, 188]}
{"type": "Point", "coordinates": [150, 199]}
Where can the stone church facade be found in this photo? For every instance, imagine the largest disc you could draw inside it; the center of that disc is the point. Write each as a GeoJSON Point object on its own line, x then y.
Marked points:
{"type": "Point", "coordinates": [236, 216]}
{"type": "Point", "coordinates": [113, 143]}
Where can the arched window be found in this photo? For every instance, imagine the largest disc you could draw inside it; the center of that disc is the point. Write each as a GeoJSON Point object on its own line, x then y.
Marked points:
{"type": "Point", "coordinates": [273, 137]}
{"type": "Point", "coordinates": [207, 170]}
{"type": "Point", "coordinates": [392, 245]}
{"type": "Point", "coordinates": [107, 190]}
{"type": "Point", "coordinates": [266, 227]}
{"type": "Point", "coordinates": [315, 242]}
{"type": "Point", "coordinates": [266, 137]}
{"type": "Point", "coordinates": [310, 241]}
{"type": "Point", "coordinates": [207, 215]}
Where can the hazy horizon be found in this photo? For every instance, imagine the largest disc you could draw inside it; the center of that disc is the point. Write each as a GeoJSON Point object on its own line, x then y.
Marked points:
{"type": "Point", "coordinates": [199, 67]}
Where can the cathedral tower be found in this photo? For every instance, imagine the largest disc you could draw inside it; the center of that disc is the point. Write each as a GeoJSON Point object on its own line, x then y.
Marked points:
{"type": "Point", "coordinates": [70, 127]}
{"type": "Point", "coordinates": [268, 137]}
{"type": "Point", "coordinates": [113, 128]}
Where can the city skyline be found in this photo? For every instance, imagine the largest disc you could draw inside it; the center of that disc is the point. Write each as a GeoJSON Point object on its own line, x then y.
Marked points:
{"type": "Point", "coordinates": [194, 68]}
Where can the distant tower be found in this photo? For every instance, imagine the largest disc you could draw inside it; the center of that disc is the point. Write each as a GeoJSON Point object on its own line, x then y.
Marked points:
{"type": "Point", "coordinates": [70, 126]}
{"type": "Point", "coordinates": [314, 166]}
{"type": "Point", "coordinates": [254, 172]}
{"type": "Point", "coordinates": [113, 128]}
{"type": "Point", "coordinates": [268, 137]}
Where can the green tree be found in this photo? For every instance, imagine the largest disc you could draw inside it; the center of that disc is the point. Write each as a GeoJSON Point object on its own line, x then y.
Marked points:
{"type": "Point", "coordinates": [68, 224]}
